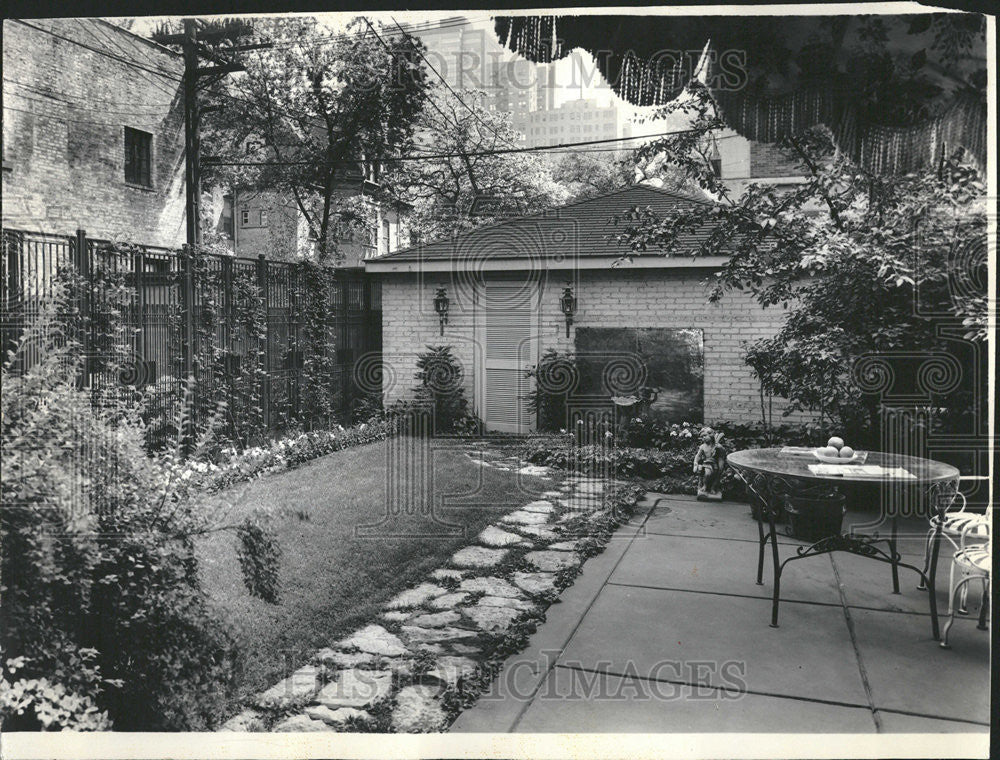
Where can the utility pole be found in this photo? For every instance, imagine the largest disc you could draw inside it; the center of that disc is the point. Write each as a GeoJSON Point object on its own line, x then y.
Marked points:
{"type": "Point", "coordinates": [192, 143]}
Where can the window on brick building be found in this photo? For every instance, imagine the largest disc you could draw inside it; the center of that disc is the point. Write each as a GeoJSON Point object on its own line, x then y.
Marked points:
{"type": "Point", "coordinates": [138, 157]}
{"type": "Point", "coordinates": [385, 236]}
{"type": "Point", "coordinates": [262, 218]}
{"type": "Point", "coordinates": [227, 215]}
{"type": "Point", "coordinates": [245, 217]}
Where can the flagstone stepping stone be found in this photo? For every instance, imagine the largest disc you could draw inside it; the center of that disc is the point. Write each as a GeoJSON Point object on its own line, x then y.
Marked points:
{"type": "Point", "coordinates": [335, 658]}
{"type": "Point", "coordinates": [506, 601]}
{"type": "Point", "coordinates": [494, 536]}
{"type": "Point", "coordinates": [451, 669]}
{"type": "Point", "coordinates": [490, 585]}
{"type": "Point", "coordinates": [533, 469]}
{"type": "Point", "coordinates": [520, 517]}
{"type": "Point", "coordinates": [374, 639]}
{"type": "Point", "coordinates": [415, 596]}
{"type": "Point", "coordinates": [303, 683]}
{"type": "Point", "coordinates": [418, 634]}
{"type": "Point", "coordinates": [552, 494]}
{"type": "Point", "coordinates": [564, 546]}
{"type": "Point", "coordinates": [448, 601]}
{"type": "Point", "coordinates": [338, 717]}
{"type": "Point", "coordinates": [248, 720]}
{"type": "Point", "coordinates": [426, 646]}
{"type": "Point", "coordinates": [535, 583]}
{"type": "Point", "coordinates": [537, 531]}
{"type": "Point", "coordinates": [541, 506]}
{"type": "Point", "coordinates": [553, 561]}
{"type": "Point", "coordinates": [591, 487]}
{"type": "Point", "coordinates": [418, 710]}
{"type": "Point", "coordinates": [396, 616]}
{"type": "Point", "coordinates": [299, 723]}
{"type": "Point", "coordinates": [492, 619]}
{"type": "Point", "coordinates": [356, 688]}
{"type": "Point", "coordinates": [436, 619]}
{"type": "Point", "coordinates": [478, 556]}
{"type": "Point", "coordinates": [446, 573]}
{"type": "Point", "coordinates": [459, 648]}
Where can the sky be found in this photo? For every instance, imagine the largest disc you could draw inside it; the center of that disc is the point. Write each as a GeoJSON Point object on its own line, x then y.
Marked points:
{"type": "Point", "coordinates": [576, 74]}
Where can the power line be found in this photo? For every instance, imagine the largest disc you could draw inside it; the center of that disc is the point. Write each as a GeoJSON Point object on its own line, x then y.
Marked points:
{"type": "Point", "coordinates": [445, 83]}
{"type": "Point", "coordinates": [494, 152]}
{"type": "Point", "coordinates": [53, 99]}
{"type": "Point", "coordinates": [428, 26]}
{"type": "Point", "coordinates": [90, 101]}
{"type": "Point", "coordinates": [65, 118]}
{"type": "Point", "coordinates": [126, 61]}
{"type": "Point", "coordinates": [429, 98]}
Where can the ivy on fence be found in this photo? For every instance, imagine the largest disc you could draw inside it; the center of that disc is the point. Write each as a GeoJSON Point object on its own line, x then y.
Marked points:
{"type": "Point", "coordinates": [275, 340]}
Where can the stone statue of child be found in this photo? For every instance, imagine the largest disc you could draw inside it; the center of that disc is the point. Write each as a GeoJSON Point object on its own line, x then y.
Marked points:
{"type": "Point", "coordinates": [709, 462]}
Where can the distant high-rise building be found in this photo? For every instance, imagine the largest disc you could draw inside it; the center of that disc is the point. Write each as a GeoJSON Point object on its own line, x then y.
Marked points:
{"type": "Point", "coordinates": [581, 120]}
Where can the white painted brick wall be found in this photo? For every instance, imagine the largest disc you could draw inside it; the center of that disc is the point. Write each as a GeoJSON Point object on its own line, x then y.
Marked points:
{"type": "Point", "coordinates": [618, 298]}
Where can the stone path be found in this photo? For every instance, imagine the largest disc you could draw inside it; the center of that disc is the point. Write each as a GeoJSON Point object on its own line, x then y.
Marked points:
{"type": "Point", "coordinates": [436, 642]}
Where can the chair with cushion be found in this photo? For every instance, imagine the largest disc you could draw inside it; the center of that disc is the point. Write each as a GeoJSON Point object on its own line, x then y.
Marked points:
{"type": "Point", "coordinates": [972, 562]}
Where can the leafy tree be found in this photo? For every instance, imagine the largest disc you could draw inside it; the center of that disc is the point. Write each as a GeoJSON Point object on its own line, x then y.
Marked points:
{"type": "Point", "coordinates": [865, 264]}
{"type": "Point", "coordinates": [454, 130]}
{"type": "Point", "coordinates": [311, 111]}
{"type": "Point", "coordinates": [585, 173]}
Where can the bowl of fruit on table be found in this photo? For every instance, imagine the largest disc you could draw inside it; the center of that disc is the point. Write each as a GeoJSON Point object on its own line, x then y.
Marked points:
{"type": "Point", "coordinates": [836, 452]}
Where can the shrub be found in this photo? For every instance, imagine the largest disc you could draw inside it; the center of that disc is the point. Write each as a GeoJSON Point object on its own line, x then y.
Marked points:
{"type": "Point", "coordinates": [556, 377]}
{"type": "Point", "coordinates": [258, 553]}
{"type": "Point", "coordinates": [102, 609]}
{"type": "Point", "coordinates": [440, 389]}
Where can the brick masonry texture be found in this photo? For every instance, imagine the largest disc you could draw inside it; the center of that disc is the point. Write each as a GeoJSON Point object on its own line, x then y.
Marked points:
{"type": "Point", "coordinates": [65, 113]}
{"type": "Point", "coordinates": [768, 160]}
{"type": "Point", "coordinates": [606, 298]}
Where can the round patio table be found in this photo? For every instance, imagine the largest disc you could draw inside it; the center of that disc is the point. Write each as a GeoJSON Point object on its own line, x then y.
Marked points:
{"type": "Point", "coordinates": [771, 475]}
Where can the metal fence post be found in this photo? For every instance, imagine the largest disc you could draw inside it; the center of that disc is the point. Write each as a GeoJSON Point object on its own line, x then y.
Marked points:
{"type": "Point", "coordinates": [81, 260]}
{"type": "Point", "coordinates": [265, 386]}
{"type": "Point", "coordinates": [139, 267]}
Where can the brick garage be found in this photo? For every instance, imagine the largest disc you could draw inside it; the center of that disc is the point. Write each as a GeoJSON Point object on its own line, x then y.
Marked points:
{"type": "Point", "coordinates": [561, 247]}
{"type": "Point", "coordinates": [69, 94]}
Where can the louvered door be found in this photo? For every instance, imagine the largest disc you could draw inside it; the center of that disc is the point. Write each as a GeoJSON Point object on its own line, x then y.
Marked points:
{"type": "Point", "coordinates": [508, 335]}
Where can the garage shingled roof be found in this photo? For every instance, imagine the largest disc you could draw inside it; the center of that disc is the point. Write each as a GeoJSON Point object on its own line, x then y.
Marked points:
{"type": "Point", "coordinates": [581, 228]}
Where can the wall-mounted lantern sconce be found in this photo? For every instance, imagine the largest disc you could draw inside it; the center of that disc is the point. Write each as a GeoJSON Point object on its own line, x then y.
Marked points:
{"type": "Point", "coordinates": [441, 307]}
{"type": "Point", "coordinates": [568, 305]}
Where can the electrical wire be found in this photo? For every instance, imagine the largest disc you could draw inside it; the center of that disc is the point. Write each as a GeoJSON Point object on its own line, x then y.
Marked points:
{"type": "Point", "coordinates": [450, 88]}
{"type": "Point", "coordinates": [120, 59]}
{"type": "Point", "coordinates": [438, 156]}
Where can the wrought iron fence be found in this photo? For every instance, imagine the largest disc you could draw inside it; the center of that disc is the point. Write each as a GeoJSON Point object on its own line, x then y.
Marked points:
{"type": "Point", "coordinates": [277, 341]}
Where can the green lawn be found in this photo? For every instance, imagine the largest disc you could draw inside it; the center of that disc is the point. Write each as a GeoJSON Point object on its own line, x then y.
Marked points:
{"type": "Point", "coordinates": [333, 581]}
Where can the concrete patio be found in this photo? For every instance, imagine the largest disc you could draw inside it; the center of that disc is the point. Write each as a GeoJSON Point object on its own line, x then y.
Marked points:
{"type": "Point", "coordinates": [666, 631]}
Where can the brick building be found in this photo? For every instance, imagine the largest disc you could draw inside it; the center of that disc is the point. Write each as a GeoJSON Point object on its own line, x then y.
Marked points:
{"type": "Point", "coordinates": [505, 283]}
{"type": "Point", "coordinates": [93, 132]}
{"type": "Point", "coordinates": [578, 120]}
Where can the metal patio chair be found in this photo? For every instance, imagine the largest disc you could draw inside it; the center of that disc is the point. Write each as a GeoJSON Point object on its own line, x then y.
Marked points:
{"type": "Point", "coordinates": [957, 523]}
{"type": "Point", "coordinates": [972, 563]}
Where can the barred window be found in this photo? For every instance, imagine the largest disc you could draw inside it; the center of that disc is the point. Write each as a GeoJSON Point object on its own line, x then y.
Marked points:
{"type": "Point", "coordinates": [138, 157]}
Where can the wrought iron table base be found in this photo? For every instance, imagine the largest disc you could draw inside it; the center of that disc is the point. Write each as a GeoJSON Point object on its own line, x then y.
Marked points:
{"type": "Point", "coordinates": [764, 488]}
{"type": "Point", "coordinates": [862, 545]}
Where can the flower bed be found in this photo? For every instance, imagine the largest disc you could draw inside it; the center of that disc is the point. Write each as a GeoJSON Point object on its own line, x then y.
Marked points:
{"type": "Point", "coordinates": [238, 466]}
{"type": "Point", "coordinates": [665, 462]}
